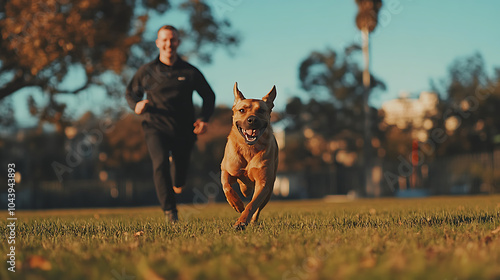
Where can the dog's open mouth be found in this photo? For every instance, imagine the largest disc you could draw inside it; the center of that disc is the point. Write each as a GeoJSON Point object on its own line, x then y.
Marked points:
{"type": "Point", "coordinates": [251, 135]}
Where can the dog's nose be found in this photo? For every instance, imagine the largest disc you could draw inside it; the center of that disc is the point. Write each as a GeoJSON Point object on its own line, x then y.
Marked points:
{"type": "Point", "coordinates": [252, 120]}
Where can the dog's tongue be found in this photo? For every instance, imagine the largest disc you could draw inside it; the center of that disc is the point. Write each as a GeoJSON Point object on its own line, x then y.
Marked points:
{"type": "Point", "coordinates": [251, 132]}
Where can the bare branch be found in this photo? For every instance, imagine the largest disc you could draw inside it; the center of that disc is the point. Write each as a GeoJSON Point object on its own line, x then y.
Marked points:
{"type": "Point", "coordinates": [17, 83]}
{"type": "Point", "coordinates": [75, 91]}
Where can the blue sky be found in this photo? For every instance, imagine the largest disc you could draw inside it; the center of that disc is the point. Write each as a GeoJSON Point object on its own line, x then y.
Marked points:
{"type": "Point", "coordinates": [416, 41]}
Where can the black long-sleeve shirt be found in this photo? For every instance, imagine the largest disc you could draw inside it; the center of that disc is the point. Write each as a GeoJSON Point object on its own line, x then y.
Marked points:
{"type": "Point", "coordinates": [169, 90]}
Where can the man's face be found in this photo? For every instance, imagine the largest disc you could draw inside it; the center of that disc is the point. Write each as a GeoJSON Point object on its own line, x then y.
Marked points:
{"type": "Point", "coordinates": [167, 42]}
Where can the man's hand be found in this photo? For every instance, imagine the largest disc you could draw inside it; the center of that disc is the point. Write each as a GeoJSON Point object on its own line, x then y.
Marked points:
{"type": "Point", "coordinates": [141, 106]}
{"type": "Point", "coordinates": [200, 127]}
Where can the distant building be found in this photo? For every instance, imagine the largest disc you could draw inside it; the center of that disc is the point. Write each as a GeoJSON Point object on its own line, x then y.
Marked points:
{"type": "Point", "coordinates": [405, 112]}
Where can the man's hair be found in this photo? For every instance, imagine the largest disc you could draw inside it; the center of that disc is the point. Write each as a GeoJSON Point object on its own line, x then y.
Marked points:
{"type": "Point", "coordinates": [168, 27]}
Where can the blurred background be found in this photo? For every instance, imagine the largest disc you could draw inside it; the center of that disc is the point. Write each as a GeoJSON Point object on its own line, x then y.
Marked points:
{"type": "Point", "coordinates": [375, 98]}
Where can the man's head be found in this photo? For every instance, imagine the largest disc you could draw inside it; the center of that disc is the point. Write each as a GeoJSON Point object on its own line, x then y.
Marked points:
{"type": "Point", "coordinates": [167, 42]}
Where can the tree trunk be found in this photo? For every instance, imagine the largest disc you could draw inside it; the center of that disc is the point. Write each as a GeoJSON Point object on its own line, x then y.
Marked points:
{"type": "Point", "coordinates": [367, 162]}
{"type": "Point", "coordinates": [366, 55]}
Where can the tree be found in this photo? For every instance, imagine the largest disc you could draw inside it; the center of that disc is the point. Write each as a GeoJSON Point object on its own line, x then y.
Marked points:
{"type": "Point", "coordinates": [336, 76]}
{"type": "Point", "coordinates": [470, 98]}
{"type": "Point", "coordinates": [366, 21]}
{"type": "Point", "coordinates": [338, 79]}
{"type": "Point", "coordinates": [42, 40]}
{"type": "Point", "coordinates": [331, 122]}
{"type": "Point", "coordinates": [469, 114]}
{"type": "Point", "coordinates": [310, 126]}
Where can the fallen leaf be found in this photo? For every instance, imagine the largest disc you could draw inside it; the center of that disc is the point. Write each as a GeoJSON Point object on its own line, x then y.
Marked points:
{"type": "Point", "coordinates": [368, 262]}
{"type": "Point", "coordinates": [139, 233]}
{"type": "Point", "coordinates": [495, 231]}
{"type": "Point", "coordinates": [38, 262]}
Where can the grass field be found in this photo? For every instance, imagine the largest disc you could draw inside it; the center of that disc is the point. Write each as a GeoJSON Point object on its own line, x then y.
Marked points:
{"type": "Point", "coordinates": [432, 238]}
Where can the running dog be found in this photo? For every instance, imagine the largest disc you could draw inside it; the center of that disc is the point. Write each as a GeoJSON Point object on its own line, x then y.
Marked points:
{"type": "Point", "coordinates": [251, 156]}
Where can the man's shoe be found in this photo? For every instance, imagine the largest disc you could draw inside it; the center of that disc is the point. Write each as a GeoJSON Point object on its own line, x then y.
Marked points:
{"type": "Point", "coordinates": [171, 216]}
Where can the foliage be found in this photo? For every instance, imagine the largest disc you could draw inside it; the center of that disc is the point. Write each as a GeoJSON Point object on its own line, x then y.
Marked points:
{"type": "Point", "coordinates": [332, 120]}
{"type": "Point", "coordinates": [6, 113]}
{"type": "Point", "coordinates": [432, 238]}
{"type": "Point", "coordinates": [209, 33]}
{"type": "Point", "coordinates": [335, 75]}
{"type": "Point", "coordinates": [367, 17]}
{"type": "Point", "coordinates": [469, 98]}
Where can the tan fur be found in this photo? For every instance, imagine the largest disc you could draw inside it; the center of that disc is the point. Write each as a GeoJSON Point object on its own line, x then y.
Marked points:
{"type": "Point", "coordinates": [252, 166]}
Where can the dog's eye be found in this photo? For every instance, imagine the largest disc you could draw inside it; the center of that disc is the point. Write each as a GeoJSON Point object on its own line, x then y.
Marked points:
{"type": "Point", "coordinates": [242, 110]}
{"type": "Point", "coordinates": [261, 111]}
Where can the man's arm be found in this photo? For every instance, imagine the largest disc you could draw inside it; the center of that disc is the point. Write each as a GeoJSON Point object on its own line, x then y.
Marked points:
{"type": "Point", "coordinates": [207, 109]}
{"type": "Point", "coordinates": [207, 94]}
{"type": "Point", "coordinates": [135, 93]}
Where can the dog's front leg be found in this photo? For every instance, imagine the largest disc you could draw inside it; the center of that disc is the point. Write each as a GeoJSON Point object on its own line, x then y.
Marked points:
{"type": "Point", "coordinates": [232, 197]}
{"type": "Point", "coordinates": [255, 217]}
{"type": "Point", "coordinates": [261, 194]}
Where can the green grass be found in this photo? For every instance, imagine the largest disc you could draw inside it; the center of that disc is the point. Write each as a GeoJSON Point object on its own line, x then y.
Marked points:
{"type": "Point", "coordinates": [432, 238]}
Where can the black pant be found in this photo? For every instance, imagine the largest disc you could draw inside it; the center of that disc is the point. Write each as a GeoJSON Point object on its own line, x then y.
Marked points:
{"type": "Point", "coordinates": [160, 147]}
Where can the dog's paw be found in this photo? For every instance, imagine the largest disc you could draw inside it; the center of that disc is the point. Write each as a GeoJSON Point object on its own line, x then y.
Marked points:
{"type": "Point", "coordinates": [239, 226]}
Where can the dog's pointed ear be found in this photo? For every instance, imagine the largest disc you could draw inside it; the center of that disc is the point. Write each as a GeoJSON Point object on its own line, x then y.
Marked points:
{"type": "Point", "coordinates": [238, 96]}
{"type": "Point", "coordinates": [269, 98]}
